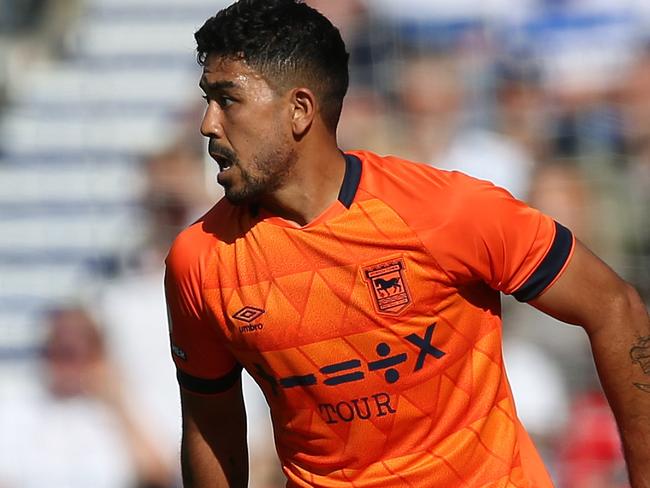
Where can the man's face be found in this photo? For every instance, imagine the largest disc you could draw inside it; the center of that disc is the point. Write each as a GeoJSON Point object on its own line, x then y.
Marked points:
{"type": "Point", "coordinates": [249, 127]}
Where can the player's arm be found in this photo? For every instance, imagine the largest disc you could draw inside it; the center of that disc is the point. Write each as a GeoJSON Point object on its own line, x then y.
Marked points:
{"type": "Point", "coordinates": [591, 295]}
{"type": "Point", "coordinates": [520, 251]}
{"type": "Point", "coordinates": [213, 449]}
{"type": "Point", "coordinates": [214, 452]}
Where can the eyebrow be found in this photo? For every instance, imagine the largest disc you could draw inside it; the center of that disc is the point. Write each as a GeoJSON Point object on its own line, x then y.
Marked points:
{"type": "Point", "coordinates": [217, 85]}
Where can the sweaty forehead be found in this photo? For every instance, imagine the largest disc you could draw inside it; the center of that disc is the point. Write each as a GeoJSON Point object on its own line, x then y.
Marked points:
{"type": "Point", "coordinates": [236, 72]}
{"type": "Point", "coordinates": [228, 72]}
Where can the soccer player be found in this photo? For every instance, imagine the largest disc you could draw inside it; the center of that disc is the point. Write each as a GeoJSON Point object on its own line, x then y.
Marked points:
{"type": "Point", "coordinates": [362, 292]}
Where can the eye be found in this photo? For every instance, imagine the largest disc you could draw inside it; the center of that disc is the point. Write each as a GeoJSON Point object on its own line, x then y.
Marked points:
{"type": "Point", "coordinates": [225, 101]}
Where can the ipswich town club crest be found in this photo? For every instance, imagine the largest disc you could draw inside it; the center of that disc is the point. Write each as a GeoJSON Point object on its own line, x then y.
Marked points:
{"type": "Point", "coordinates": [388, 286]}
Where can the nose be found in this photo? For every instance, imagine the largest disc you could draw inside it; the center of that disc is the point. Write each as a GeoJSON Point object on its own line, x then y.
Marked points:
{"type": "Point", "coordinates": [211, 125]}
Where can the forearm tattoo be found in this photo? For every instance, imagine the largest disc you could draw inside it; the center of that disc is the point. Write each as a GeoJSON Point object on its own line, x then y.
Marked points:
{"type": "Point", "coordinates": [640, 353]}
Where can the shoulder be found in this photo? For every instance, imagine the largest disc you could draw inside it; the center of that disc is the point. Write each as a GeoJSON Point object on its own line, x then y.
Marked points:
{"type": "Point", "coordinates": [392, 170]}
{"type": "Point", "coordinates": [425, 191]}
{"type": "Point", "coordinates": [193, 246]}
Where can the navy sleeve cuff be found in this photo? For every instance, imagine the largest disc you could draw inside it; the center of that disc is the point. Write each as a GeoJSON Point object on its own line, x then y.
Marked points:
{"type": "Point", "coordinates": [208, 386]}
{"type": "Point", "coordinates": [550, 266]}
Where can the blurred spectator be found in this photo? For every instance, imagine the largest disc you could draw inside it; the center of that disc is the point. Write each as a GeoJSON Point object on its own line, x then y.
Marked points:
{"type": "Point", "coordinates": [521, 110]}
{"type": "Point", "coordinates": [589, 130]}
{"type": "Point", "coordinates": [42, 22]}
{"type": "Point", "coordinates": [31, 30]}
{"type": "Point", "coordinates": [636, 197]}
{"type": "Point", "coordinates": [133, 308]}
{"type": "Point", "coordinates": [427, 11]}
{"type": "Point", "coordinates": [79, 431]}
{"type": "Point", "coordinates": [560, 190]}
{"type": "Point", "coordinates": [430, 100]}
{"type": "Point", "coordinates": [438, 130]}
{"type": "Point", "coordinates": [17, 16]}
{"type": "Point", "coordinates": [346, 15]}
{"type": "Point", "coordinates": [364, 38]}
{"type": "Point", "coordinates": [582, 45]}
{"type": "Point", "coordinates": [540, 394]}
{"type": "Point", "coordinates": [636, 98]}
{"type": "Point", "coordinates": [365, 123]}
{"type": "Point", "coordinates": [590, 452]}
{"type": "Point", "coordinates": [580, 198]}
{"type": "Point", "coordinates": [175, 195]}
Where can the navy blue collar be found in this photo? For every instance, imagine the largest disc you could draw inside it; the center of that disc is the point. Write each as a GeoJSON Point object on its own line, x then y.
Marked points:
{"type": "Point", "coordinates": [350, 180]}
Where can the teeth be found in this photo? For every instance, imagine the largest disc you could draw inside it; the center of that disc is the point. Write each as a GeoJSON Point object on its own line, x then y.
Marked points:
{"type": "Point", "coordinates": [224, 164]}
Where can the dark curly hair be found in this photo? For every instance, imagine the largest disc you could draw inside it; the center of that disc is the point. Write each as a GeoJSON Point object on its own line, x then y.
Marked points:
{"type": "Point", "coordinates": [286, 41]}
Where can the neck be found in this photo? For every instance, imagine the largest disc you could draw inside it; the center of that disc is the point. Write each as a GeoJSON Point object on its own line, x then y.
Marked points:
{"type": "Point", "coordinates": [311, 188]}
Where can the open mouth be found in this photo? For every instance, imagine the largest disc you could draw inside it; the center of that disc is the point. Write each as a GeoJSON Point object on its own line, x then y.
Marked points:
{"type": "Point", "coordinates": [224, 165]}
{"type": "Point", "coordinates": [223, 162]}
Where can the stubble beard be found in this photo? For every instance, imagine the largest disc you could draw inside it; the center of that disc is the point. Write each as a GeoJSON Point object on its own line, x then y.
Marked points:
{"type": "Point", "coordinates": [268, 173]}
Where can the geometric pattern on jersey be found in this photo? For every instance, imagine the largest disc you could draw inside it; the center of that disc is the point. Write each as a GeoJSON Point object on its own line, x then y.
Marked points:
{"type": "Point", "coordinates": [376, 336]}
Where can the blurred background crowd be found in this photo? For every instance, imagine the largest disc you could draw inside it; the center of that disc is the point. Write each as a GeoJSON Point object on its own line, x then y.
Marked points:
{"type": "Point", "coordinates": [101, 164]}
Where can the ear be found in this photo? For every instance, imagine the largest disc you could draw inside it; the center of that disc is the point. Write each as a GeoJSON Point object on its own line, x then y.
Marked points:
{"type": "Point", "coordinates": [303, 106]}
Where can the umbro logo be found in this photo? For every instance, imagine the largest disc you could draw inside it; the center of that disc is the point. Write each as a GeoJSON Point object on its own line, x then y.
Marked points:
{"type": "Point", "coordinates": [249, 315]}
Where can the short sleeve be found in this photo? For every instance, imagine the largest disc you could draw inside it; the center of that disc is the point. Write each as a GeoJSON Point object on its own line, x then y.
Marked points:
{"type": "Point", "coordinates": [203, 363]}
{"type": "Point", "coordinates": [493, 237]}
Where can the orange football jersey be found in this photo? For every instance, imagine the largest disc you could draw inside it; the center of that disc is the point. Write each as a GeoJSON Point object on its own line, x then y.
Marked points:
{"type": "Point", "coordinates": [374, 331]}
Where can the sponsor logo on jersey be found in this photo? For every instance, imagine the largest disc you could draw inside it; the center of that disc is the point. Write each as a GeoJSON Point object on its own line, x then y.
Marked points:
{"type": "Point", "coordinates": [249, 315]}
{"type": "Point", "coordinates": [393, 363]}
{"type": "Point", "coordinates": [362, 408]}
{"type": "Point", "coordinates": [390, 363]}
{"type": "Point", "coordinates": [387, 286]}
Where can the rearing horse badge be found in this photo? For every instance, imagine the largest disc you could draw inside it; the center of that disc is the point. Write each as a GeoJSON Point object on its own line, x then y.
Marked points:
{"type": "Point", "coordinates": [388, 286]}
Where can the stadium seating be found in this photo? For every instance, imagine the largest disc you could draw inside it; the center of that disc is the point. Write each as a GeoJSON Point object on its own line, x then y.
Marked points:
{"type": "Point", "coordinates": [71, 140]}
